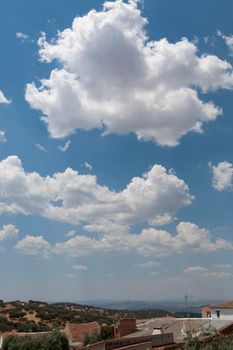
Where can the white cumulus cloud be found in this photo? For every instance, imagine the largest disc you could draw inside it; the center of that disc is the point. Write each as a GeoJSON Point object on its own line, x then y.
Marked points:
{"type": "Point", "coordinates": [8, 232]}
{"type": "Point", "coordinates": [114, 78]}
{"type": "Point", "coordinates": [222, 176]}
{"type": "Point", "coordinates": [149, 242]}
{"type": "Point", "coordinates": [33, 245]}
{"type": "Point", "coordinates": [78, 199]}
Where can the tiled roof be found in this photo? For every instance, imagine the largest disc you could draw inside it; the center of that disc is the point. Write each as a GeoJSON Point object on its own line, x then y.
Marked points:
{"type": "Point", "coordinates": [178, 327]}
{"type": "Point", "coordinates": [78, 331]}
{"type": "Point", "coordinates": [206, 308]}
{"type": "Point", "coordinates": [217, 324]}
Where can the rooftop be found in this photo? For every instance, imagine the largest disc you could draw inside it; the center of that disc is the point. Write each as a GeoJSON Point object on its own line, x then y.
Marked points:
{"type": "Point", "coordinates": [78, 331]}
{"type": "Point", "coordinates": [179, 326]}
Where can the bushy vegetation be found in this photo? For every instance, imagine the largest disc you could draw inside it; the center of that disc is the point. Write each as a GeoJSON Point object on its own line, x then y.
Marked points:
{"type": "Point", "coordinates": [16, 313]}
{"type": "Point", "coordinates": [52, 341]}
{"type": "Point", "coordinates": [5, 324]}
{"type": "Point", "coordinates": [37, 316]}
{"type": "Point", "coordinates": [215, 342]}
{"type": "Point", "coordinates": [105, 333]}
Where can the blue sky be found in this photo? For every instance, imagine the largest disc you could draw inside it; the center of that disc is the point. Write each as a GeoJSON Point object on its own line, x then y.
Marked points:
{"type": "Point", "coordinates": [116, 149]}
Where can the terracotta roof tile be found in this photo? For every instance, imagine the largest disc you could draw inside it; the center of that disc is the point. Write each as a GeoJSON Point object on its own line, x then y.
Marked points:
{"type": "Point", "coordinates": [206, 308]}
{"type": "Point", "coordinates": [78, 331]}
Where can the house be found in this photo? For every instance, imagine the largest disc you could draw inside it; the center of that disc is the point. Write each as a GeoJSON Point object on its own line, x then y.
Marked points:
{"type": "Point", "coordinates": [76, 332]}
{"type": "Point", "coordinates": [124, 327]}
{"type": "Point", "coordinates": [223, 311]}
{"type": "Point", "coordinates": [180, 327]}
{"type": "Point", "coordinates": [206, 311]}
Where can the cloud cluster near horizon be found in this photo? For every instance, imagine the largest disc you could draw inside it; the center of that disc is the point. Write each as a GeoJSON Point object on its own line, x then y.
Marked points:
{"type": "Point", "coordinates": [204, 272]}
{"type": "Point", "coordinates": [112, 77]}
{"type": "Point", "coordinates": [148, 243]}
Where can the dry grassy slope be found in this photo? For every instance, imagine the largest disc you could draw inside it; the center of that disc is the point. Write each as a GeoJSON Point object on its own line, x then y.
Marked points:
{"type": "Point", "coordinates": [38, 316]}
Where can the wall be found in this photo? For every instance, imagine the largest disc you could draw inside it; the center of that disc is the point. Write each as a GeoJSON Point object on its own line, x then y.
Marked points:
{"type": "Point", "coordinates": [141, 346]}
{"type": "Point", "coordinates": [225, 314]}
{"type": "Point", "coordinates": [156, 340]}
{"type": "Point", "coordinates": [97, 346]}
{"type": "Point", "coordinates": [124, 327]}
{"type": "Point", "coordinates": [205, 313]}
{"type": "Point", "coordinates": [138, 342]}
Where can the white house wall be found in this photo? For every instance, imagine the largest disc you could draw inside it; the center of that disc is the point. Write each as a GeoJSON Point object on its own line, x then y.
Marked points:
{"type": "Point", "coordinates": [225, 314]}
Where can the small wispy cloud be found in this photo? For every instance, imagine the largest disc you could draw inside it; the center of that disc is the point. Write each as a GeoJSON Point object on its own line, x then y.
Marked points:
{"type": "Point", "coordinates": [3, 138]}
{"type": "Point", "coordinates": [228, 40]}
{"type": "Point", "coordinates": [3, 98]}
{"type": "Point", "coordinates": [88, 166]}
{"type": "Point", "coordinates": [203, 272]}
{"type": "Point", "coordinates": [150, 263]}
{"type": "Point", "coordinates": [71, 233]}
{"type": "Point", "coordinates": [223, 266]}
{"type": "Point", "coordinates": [40, 147]}
{"type": "Point", "coordinates": [23, 37]}
{"type": "Point", "coordinates": [65, 147]}
{"type": "Point", "coordinates": [80, 267]}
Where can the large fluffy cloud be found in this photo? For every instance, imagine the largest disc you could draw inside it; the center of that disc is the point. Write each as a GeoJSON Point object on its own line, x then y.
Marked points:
{"type": "Point", "coordinates": [74, 198]}
{"type": "Point", "coordinates": [222, 176]}
{"type": "Point", "coordinates": [149, 242]}
{"type": "Point", "coordinates": [112, 77]}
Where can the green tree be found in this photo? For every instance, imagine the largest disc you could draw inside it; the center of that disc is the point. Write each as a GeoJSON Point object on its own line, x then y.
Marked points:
{"type": "Point", "coordinates": [52, 341]}
{"type": "Point", "coordinates": [106, 332]}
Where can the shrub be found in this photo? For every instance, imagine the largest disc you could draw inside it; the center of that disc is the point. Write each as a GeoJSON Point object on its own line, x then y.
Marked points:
{"type": "Point", "coordinates": [52, 341]}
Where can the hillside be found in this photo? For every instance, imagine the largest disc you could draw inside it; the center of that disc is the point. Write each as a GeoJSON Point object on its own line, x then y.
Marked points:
{"type": "Point", "coordinates": [36, 316]}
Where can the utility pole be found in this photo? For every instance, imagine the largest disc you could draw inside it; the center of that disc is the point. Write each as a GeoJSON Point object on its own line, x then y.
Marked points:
{"type": "Point", "coordinates": [187, 298]}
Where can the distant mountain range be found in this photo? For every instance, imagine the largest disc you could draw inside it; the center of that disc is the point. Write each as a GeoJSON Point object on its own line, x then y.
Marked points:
{"type": "Point", "coordinates": [170, 305]}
